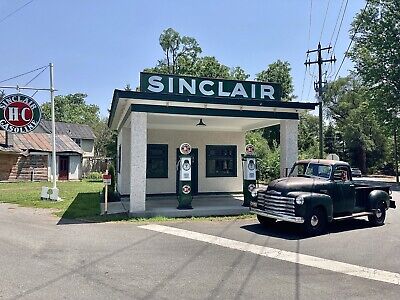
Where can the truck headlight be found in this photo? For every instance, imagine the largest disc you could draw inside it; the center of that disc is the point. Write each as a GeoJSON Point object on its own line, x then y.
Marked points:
{"type": "Point", "coordinates": [300, 200]}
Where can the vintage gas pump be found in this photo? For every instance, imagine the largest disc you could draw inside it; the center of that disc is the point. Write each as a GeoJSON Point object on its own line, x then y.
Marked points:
{"type": "Point", "coordinates": [185, 177]}
{"type": "Point", "coordinates": [249, 175]}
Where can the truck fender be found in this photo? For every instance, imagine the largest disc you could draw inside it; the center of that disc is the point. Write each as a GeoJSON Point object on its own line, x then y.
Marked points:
{"type": "Point", "coordinates": [312, 200]}
{"type": "Point", "coordinates": [378, 196]}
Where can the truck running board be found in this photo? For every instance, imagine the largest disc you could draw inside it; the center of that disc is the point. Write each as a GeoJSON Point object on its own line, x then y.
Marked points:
{"type": "Point", "coordinates": [361, 214]}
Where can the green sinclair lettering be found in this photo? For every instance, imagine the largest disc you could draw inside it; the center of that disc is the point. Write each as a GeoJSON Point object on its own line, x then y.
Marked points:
{"type": "Point", "coordinates": [209, 87]}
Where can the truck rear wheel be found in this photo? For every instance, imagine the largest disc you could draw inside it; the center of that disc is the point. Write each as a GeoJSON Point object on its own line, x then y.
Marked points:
{"type": "Point", "coordinates": [315, 223]}
{"type": "Point", "coordinates": [378, 218]}
{"type": "Point", "coordinates": [265, 220]}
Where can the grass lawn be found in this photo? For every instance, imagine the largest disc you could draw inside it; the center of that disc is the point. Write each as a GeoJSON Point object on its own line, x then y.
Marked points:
{"type": "Point", "coordinates": [80, 201]}
{"type": "Point", "coordinates": [80, 198]}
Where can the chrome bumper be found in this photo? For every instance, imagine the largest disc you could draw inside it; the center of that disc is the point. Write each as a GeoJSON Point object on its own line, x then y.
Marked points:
{"type": "Point", "coordinates": [276, 216]}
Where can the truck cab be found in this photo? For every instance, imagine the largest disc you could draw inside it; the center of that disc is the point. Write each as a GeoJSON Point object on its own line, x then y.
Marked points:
{"type": "Point", "coordinates": [318, 192]}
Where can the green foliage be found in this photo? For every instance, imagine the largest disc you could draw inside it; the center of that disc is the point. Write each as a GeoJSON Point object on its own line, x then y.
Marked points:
{"type": "Point", "coordinates": [237, 73]}
{"type": "Point", "coordinates": [279, 72]}
{"type": "Point", "coordinates": [105, 142]}
{"type": "Point", "coordinates": [308, 136]}
{"type": "Point", "coordinates": [94, 176]}
{"type": "Point", "coordinates": [72, 108]}
{"type": "Point", "coordinates": [346, 103]}
{"type": "Point", "coordinates": [268, 162]}
{"type": "Point", "coordinates": [209, 66]}
{"type": "Point", "coordinates": [181, 53]}
{"type": "Point", "coordinates": [376, 57]}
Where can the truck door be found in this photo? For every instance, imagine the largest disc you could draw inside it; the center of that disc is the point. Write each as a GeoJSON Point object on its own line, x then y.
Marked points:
{"type": "Point", "coordinates": [344, 200]}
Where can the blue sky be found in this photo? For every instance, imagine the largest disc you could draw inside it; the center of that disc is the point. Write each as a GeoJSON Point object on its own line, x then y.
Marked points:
{"type": "Point", "coordinates": [97, 46]}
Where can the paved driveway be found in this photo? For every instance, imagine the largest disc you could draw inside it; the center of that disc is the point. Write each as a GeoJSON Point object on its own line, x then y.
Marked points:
{"type": "Point", "coordinates": [42, 258]}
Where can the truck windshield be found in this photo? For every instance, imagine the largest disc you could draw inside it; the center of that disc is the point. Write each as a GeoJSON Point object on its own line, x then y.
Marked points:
{"type": "Point", "coordinates": [310, 170]}
{"type": "Point", "coordinates": [318, 170]}
{"type": "Point", "coordinates": [298, 169]}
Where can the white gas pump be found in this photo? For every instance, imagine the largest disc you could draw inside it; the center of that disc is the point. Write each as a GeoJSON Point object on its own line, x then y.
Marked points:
{"type": "Point", "coordinates": [185, 173]}
{"type": "Point", "coordinates": [249, 166]}
{"type": "Point", "coordinates": [185, 177]}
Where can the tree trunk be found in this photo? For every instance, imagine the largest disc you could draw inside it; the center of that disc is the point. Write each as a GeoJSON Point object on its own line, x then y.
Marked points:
{"type": "Point", "coordinates": [362, 154]}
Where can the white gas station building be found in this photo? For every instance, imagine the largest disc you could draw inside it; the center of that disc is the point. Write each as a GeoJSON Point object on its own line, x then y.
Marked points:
{"type": "Point", "coordinates": [212, 115]}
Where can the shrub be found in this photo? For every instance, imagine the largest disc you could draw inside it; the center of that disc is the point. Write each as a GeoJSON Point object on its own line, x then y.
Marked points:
{"type": "Point", "coordinates": [94, 176]}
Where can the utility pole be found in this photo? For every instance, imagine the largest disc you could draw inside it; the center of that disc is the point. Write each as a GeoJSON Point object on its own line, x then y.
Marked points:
{"type": "Point", "coordinates": [318, 87]}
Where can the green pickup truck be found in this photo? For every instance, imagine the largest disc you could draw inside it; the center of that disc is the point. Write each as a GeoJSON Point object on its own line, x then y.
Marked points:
{"type": "Point", "coordinates": [320, 191]}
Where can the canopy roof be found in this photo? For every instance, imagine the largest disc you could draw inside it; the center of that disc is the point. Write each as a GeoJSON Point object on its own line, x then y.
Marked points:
{"type": "Point", "coordinates": [166, 111]}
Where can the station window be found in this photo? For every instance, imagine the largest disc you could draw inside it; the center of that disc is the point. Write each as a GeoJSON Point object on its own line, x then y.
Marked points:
{"type": "Point", "coordinates": [157, 161]}
{"type": "Point", "coordinates": [221, 161]}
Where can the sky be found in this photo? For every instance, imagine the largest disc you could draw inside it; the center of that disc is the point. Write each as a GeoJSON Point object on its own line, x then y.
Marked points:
{"type": "Point", "coordinates": [97, 46]}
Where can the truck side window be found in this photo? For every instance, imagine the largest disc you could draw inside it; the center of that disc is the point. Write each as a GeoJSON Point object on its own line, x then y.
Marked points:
{"type": "Point", "coordinates": [341, 174]}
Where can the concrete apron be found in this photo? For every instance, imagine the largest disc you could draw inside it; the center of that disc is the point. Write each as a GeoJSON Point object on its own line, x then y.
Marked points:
{"type": "Point", "coordinates": [165, 206]}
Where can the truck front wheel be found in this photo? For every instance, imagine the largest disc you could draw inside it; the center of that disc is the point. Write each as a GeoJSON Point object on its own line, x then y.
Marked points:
{"type": "Point", "coordinates": [265, 220]}
{"type": "Point", "coordinates": [315, 223]}
{"type": "Point", "coordinates": [378, 218]}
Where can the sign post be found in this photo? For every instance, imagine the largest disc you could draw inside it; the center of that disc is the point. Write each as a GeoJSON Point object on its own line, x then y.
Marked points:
{"type": "Point", "coordinates": [53, 128]}
{"type": "Point", "coordinates": [107, 182]}
{"type": "Point", "coordinates": [23, 117]}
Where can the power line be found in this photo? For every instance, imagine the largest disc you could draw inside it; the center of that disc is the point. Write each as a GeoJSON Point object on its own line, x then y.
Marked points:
{"type": "Point", "coordinates": [36, 76]}
{"type": "Point", "coordinates": [336, 23]}
{"type": "Point", "coordinates": [351, 41]}
{"type": "Point", "coordinates": [323, 24]}
{"type": "Point", "coordinates": [15, 11]}
{"type": "Point", "coordinates": [340, 26]}
{"type": "Point", "coordinates": [309, 25]}
{"type": "Point", "coordinates": [308, 45]}
{"type": "Point", "coordinates": [23, 74]}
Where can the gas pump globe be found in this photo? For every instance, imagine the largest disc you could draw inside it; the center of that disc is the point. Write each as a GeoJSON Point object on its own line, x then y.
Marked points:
{"type": "Point", "coordinates": [185, 177]}
{"type": "Point", "coordinates": [249, 175]}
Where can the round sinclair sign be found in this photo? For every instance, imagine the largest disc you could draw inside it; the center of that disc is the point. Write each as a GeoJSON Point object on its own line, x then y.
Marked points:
{"type": "Point", "coordinates": [19, 113]}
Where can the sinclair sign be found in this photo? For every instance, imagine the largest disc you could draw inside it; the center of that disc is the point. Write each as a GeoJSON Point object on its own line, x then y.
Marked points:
{"type": "Point", "coordinates": [209, 87]}
{"type": "Point", "coordinates": [19, 113]}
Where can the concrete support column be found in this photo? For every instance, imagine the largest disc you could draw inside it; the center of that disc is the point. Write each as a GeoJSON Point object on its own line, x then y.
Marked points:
{"type": "Point", "coordinates": [138, 162]}
{"type": "Point", "coordinates": [289, 144]}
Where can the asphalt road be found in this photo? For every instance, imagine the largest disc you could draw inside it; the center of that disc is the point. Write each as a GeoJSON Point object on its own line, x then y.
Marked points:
{"type": "Point", "coordinates": [43, 258]}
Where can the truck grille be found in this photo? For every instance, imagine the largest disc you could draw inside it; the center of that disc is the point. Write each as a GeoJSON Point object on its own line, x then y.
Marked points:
{"type": "Point", "coordinates": [274, 204]}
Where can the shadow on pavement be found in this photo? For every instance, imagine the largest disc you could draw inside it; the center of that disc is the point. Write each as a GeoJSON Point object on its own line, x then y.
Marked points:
{"type": "Point", "coordinates": [291, 231]}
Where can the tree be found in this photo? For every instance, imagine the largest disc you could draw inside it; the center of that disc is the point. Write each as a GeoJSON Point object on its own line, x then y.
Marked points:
{"type": "Point", "coordinates": [105, 142]}
{"type": "Point", "coordinates": [279, 72]}
{"type": "Point", "coordinates": [268, 163]}
{"type": "Point", "coordinates": [209, 66]}
{"type": "Point", "coordinates": [237, 73]}
{"type": "Point", "coordinates": [376, 56]}
{"type": "Point", "coordinates": [308, 136]}
{"type": "Point", "coordinates": [346, 103]}
{"type": "Point", "coordinates": [181, 53]}
{"type": "Point", "coordinates": [72, 108]}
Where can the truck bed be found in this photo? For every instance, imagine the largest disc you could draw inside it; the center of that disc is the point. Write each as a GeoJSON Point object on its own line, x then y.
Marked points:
{"type": "Point", "coordinates": [363, 188]}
